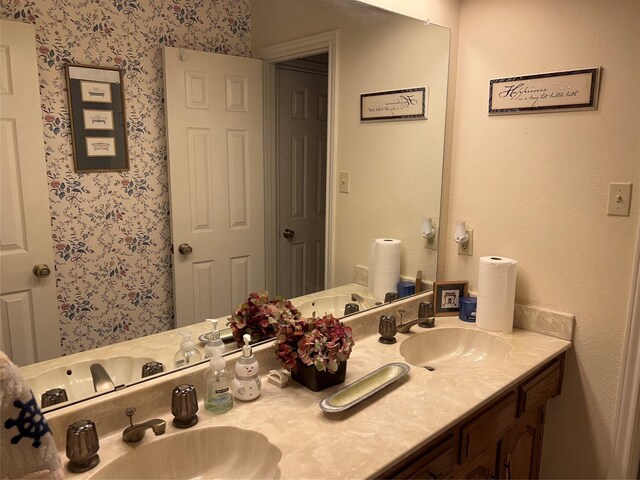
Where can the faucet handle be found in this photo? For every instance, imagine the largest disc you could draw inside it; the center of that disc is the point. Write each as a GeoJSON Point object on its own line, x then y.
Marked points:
{"type": "Point", "coordinates": [387, 329]}
{"type": "Point", "coordinates": [82, 446]}
{"type": "Point", "coordinates": [426, 315]}
{"type": "Point", "coordinates": [390, 297]}
{"type": "Point", "coordinates": [184, 406]}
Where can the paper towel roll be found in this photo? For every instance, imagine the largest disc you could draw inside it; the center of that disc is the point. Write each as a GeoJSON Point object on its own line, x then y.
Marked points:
{"type": "Point", "coordinates": [384, 266]}
{"type": "Point", "coordinates": [496, 293]}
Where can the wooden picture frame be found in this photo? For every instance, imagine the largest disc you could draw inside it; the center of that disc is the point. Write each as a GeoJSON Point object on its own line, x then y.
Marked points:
{"type": "Point", "coordinates": [567, 90]}
{"type": "Point", "coordinates": [98, 121]}
{"type": "Point", "coordinates": [404, 104]}
{"type": "Point", "coordinates": [446, 297]}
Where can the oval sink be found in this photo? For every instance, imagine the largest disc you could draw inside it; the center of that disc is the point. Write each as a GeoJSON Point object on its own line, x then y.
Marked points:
{"type": "Point", "coordinates": [76, 378]}
{"type": "Point", "coordinates": [214, 452]}
{"type": "Point", "coordinates": [331, 305]}
{"type": "Point", "coordinates": [454, 347]}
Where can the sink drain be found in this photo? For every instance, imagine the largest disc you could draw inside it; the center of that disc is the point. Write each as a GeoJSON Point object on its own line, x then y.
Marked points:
{"type": "Point", "coordinates": [430, 368]}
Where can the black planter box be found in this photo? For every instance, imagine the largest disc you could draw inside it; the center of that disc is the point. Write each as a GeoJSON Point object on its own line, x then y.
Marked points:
{"type": "Point", "coordinates": [310, 377]}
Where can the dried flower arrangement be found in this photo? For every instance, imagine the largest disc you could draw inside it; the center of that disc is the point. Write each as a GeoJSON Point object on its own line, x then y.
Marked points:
{"type": "Point", "coordinates": [260, 316]}
{"type": "Point", "coordinates": [324, 342]}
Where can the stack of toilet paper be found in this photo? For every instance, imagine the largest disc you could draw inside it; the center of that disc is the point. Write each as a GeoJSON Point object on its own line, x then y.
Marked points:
{"type": "Point", "coordinates": [384, 266]}
{"type": "Point", "coordinates": [496, 293]}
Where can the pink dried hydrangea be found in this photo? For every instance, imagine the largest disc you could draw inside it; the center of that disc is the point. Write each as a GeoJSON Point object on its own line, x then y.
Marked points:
{"type": "Point", "coordinates": [323, 342]}
{"type": "Point", "coordinates": [259, 316]}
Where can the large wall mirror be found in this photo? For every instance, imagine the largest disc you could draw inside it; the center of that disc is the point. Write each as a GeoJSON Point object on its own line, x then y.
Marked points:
{"type": "Point", "coordinates": [111, 232]}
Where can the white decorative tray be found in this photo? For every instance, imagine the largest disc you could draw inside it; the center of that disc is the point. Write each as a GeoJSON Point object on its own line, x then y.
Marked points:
{"type": "Point", "coordinates": [364, 387]}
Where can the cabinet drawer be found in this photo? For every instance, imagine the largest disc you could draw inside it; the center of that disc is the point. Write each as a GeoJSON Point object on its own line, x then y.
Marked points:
{"type": "Point", "coordinates": [432, 461]}
{"type": "Point", "coordinates": [542, 386]}
{"type": "Point", "coordinates": [487, 427]}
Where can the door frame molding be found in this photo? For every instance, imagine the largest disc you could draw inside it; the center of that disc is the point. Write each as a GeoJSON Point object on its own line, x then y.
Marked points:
{"type": "Point", "coordinates": [625, 455]}
{"type": "Point", "coordinates": [326, 42]}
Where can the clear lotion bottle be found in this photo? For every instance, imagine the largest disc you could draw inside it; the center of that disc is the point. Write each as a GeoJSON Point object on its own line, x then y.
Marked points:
{"type": "Point", "coordinates": [219, 397]}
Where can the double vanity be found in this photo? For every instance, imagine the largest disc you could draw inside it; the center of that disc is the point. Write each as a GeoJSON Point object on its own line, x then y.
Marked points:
{"type": "Point", "coordinates": [477, 411]}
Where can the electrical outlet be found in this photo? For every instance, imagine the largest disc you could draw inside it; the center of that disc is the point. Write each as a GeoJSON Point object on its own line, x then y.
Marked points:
{"type": "Point", "coordinates": [466, 248]}
{"type": "Point", "coordinates": [432, 243]}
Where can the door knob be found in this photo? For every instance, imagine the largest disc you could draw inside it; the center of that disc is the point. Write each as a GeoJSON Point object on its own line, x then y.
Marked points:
{"type": "Point", "coordinates": [42, 270]}
{"type": "Point", "coordinates": [288, 234]}
{"type": "Point", "coordinates": [185, 249]}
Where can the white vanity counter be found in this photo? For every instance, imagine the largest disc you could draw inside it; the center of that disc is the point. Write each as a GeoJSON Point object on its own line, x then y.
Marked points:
{"type": "Point", "coordinates": [357, 443]}
{"type": "Point", "coordinates": [160, 347]}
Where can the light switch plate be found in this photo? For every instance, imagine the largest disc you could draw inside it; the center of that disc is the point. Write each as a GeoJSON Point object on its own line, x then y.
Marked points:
{"type": "Point", "coordinates": [344, 182]}
{"type": "Point", "coordinates": [619, 199]}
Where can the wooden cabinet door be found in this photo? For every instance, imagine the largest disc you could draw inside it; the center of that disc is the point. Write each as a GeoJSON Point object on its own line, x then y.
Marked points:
{"type": "Point", "coordinates": [520, 452]}
{"type": "Point", "coordinates": [482, 466]}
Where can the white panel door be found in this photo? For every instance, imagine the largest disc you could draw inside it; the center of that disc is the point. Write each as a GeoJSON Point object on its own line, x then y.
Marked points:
{"type": "Point", "coordinates": [302, 179]}
{"type": "Point", "coordinates": [28, 309]}
{"type": "Point", "coordinates": [216, 176]}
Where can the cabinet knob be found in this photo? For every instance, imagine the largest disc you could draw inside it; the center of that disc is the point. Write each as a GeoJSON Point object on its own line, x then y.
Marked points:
{"type": "Point", "coordinates": [42, 270]}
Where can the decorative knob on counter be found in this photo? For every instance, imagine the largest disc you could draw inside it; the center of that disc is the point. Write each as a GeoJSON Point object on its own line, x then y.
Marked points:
{"type": "Point", "coordinates": [184, 406]}
{"type": "Point", "coordinates": [82, 446]}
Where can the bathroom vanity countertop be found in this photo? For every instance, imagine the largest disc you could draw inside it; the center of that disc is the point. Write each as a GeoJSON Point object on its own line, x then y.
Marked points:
{"type": "Point", "coordinates": [359, 442]}
{"type": "Point", "coordinates": [162, 346]}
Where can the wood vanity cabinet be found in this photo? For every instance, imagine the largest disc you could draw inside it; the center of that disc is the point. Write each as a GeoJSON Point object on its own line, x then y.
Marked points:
{"type": "Point", "coordinates": [503, 440]}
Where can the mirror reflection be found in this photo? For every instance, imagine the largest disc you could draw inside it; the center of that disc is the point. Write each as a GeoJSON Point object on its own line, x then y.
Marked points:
{"type": "Point", "coordinates": [112, 237]}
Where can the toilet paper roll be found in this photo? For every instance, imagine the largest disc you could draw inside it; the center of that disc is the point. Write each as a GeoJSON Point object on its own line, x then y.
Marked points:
{"type": "Point", "coordinates": [496, 293]}
{"type": "Point", "coordinates": [384, 266]}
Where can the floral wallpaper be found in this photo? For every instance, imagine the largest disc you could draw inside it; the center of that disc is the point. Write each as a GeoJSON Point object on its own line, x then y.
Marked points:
{"type": "Point", "coordinates": [111, 234]}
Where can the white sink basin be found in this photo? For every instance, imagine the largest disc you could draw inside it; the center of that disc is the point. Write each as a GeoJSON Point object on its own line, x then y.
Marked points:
{"type": "Point", "coordinates": [76, 378]}
{"type": "Point", "coordinates": [214, 452]}
{"type": "Point", "coordinates": [333, 305]}
{"type": "Point", "coordinates": [454, 348]}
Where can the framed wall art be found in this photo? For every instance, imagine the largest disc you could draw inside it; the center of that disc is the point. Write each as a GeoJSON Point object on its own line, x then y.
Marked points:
{"type": "Point", "coordinates": [405, 104]}
{"type": "Point", "coordinates": [98, 122]}
{"type": "Point", "coordinates": [567, 90]}
{"type": "Point", "coordinates": [447, 295]}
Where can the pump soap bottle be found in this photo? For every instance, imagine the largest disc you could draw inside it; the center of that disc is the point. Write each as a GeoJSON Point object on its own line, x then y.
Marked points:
{"type": "Point", "coordinates": [247, 384]}
{"type": "Point", "coordinates": [219, 398]}
{"type": "Point", "coordinates": [215, 343]}
{"type": "Point", "coordinates": [188, 352]}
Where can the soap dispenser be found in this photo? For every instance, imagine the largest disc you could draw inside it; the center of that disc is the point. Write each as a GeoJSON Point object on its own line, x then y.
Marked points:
{"type": "Point", "coordinates": [219, 398]}
{"type": "Point", "coordinates": [215, 343]}
{"type": "Point", "coordinates": [188, 353]}
{"type": "Point", "coordinates": [247, 384]}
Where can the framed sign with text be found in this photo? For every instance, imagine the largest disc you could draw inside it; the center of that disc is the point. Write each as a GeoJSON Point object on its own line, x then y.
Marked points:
{"type": "Point", "coordinates": [545, 92]}
{"type": "Point", "coordinates": [98, 124]}
{"type": "Point", "coordinates": [405, 104]}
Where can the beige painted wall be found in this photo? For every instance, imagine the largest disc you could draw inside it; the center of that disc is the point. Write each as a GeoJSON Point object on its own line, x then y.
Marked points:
{"type": "Point", "coordinates": [396, 167]}
{"type": "Point", "coordinates": [534, 187]}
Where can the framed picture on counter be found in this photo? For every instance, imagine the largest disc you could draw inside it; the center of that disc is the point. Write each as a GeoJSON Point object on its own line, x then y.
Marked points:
{"type": "Point", "coordinates": [98, 121]}
{"type": "Point", "coordinates": [447, 295]}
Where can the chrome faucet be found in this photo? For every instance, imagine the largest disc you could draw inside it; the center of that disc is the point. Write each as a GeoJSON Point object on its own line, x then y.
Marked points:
{"type": "Point", "coordinates": [135, 433]}
{"type": "Point", "coordinates": [363, 303]}
{"type": "Point", "coordinates": [101, 380]}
